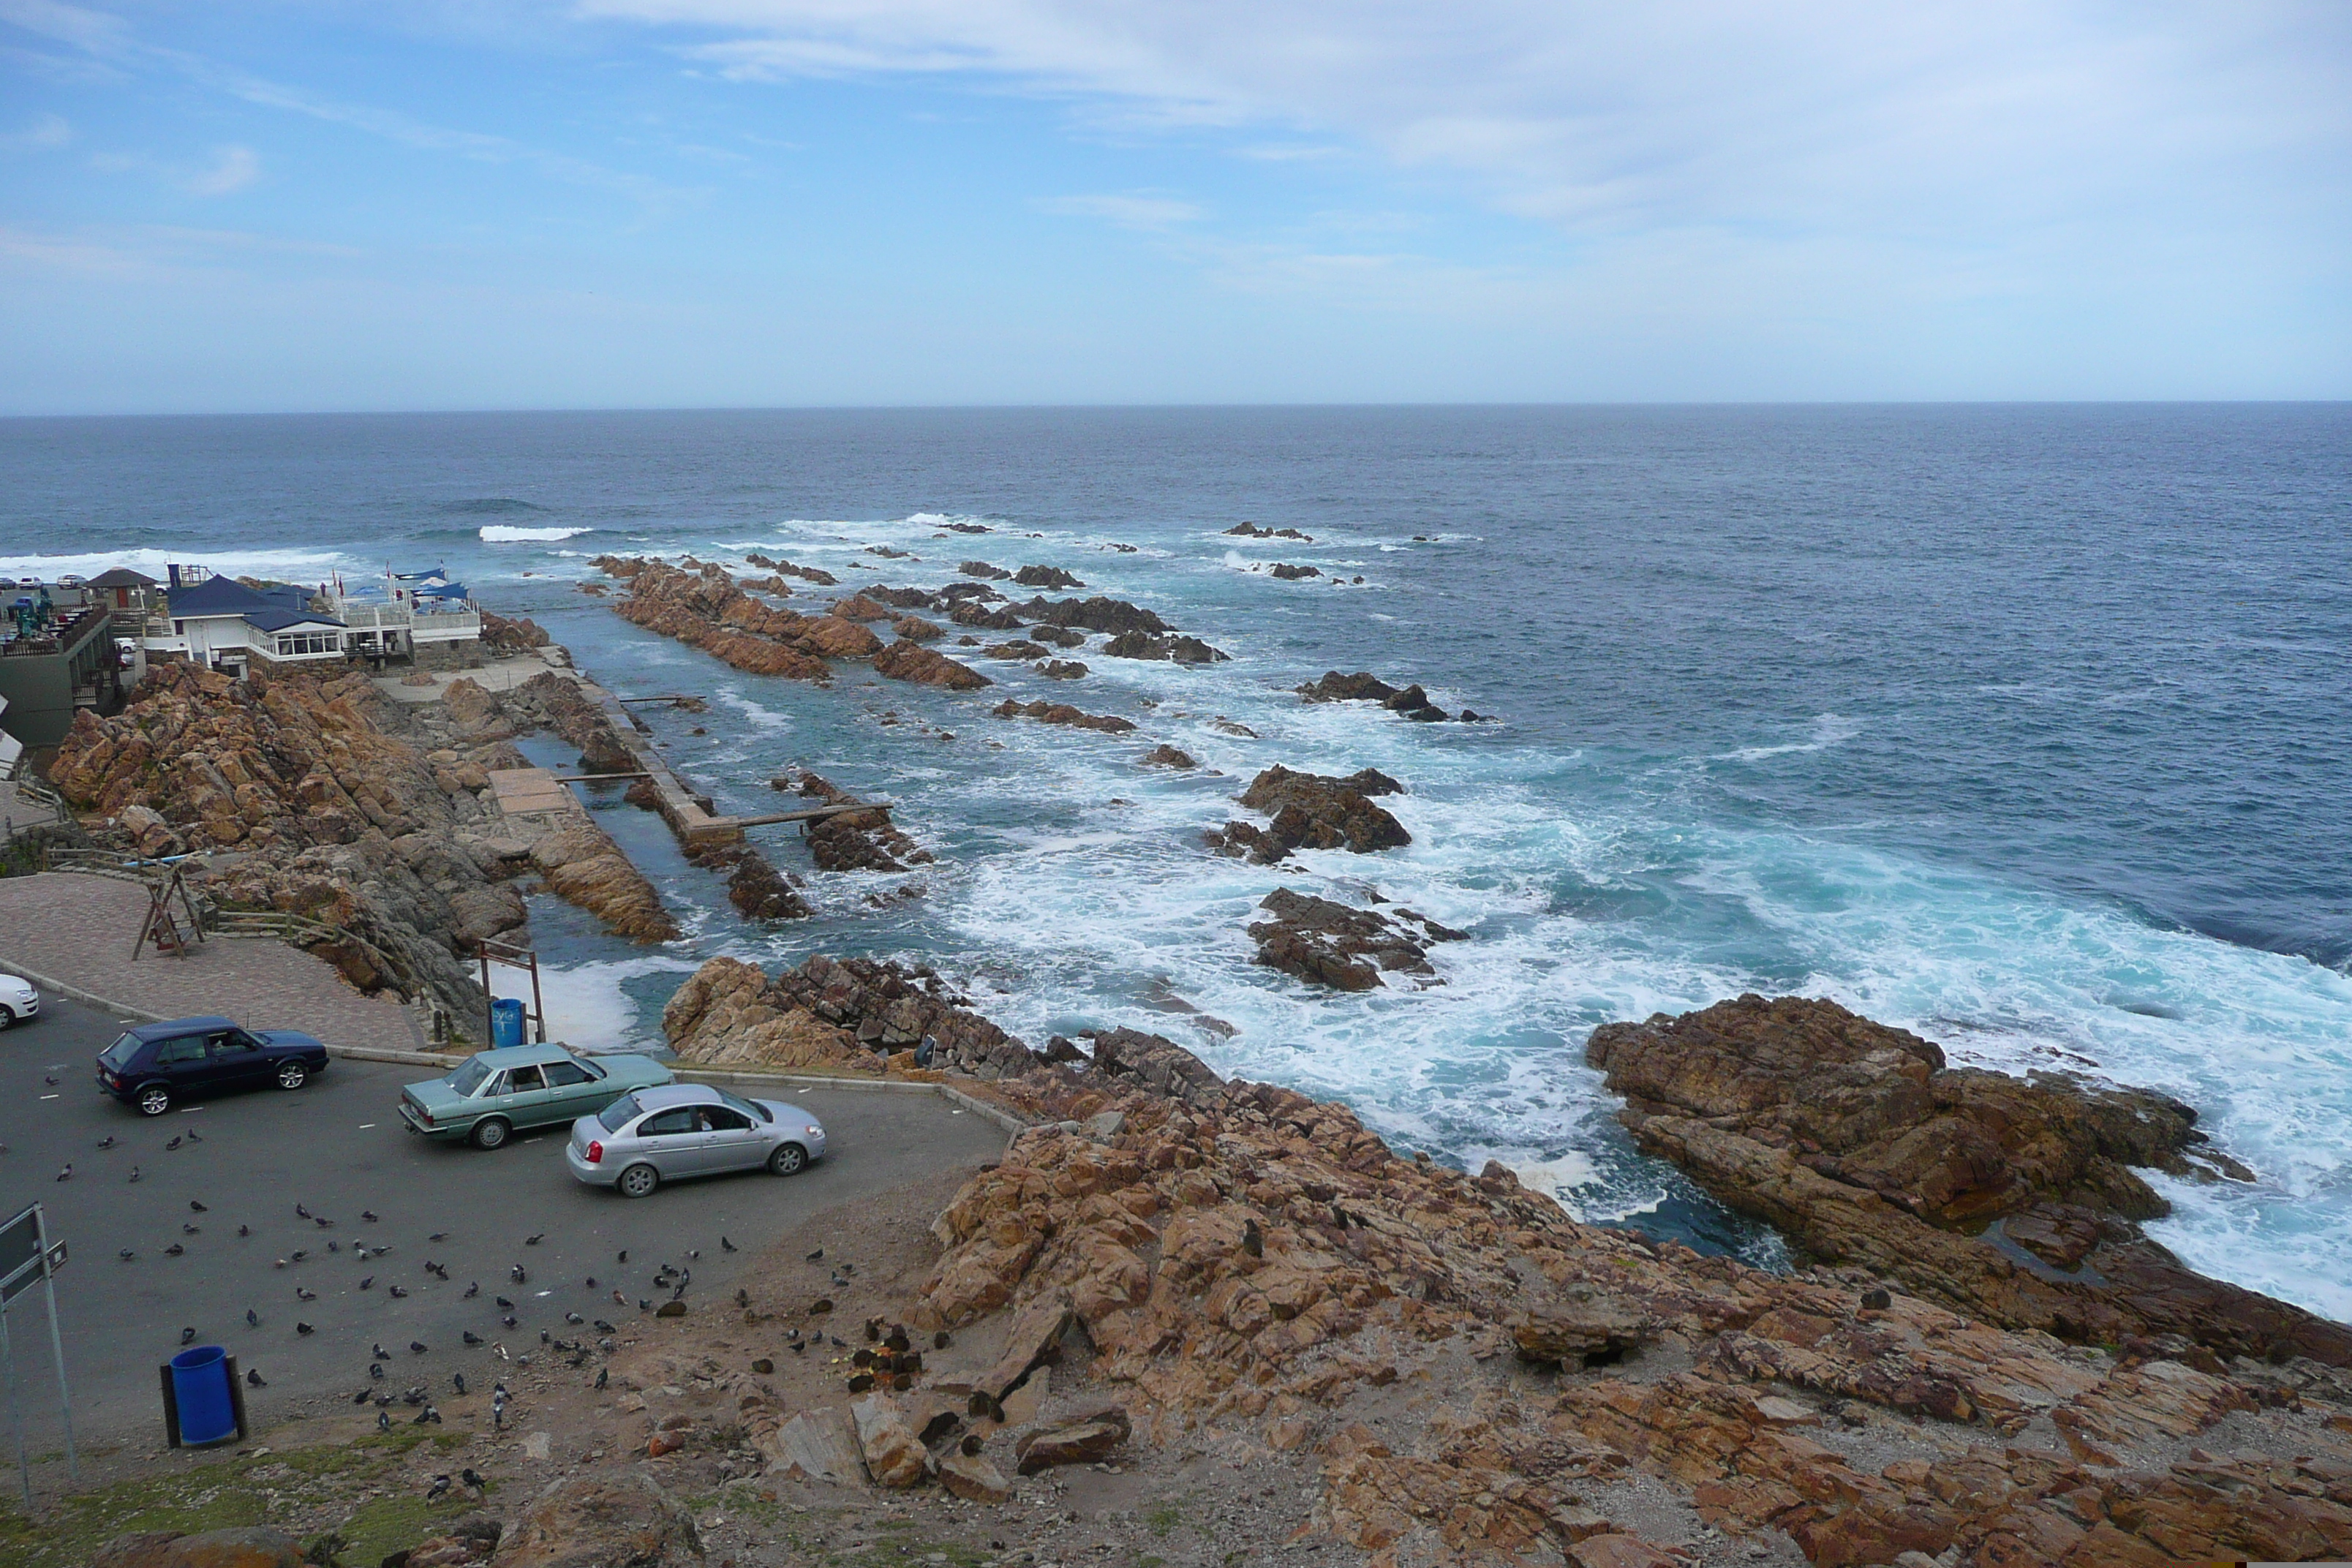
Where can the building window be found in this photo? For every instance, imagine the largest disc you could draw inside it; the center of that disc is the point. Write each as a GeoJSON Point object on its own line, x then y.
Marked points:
{"type": "Point", "coordinates": [306, 643]}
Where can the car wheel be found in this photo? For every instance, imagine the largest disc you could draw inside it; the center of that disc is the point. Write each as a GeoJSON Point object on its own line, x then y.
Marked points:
{"type": "Point", "coordinates": [292, 1075]}
{"type": "Point", "coordinates": [638, 1181]}
{"type": "Point", "coordinates": [154, 1100]}
{"type": "Point", "coordinates": [490, 1132]}
{"type": "Point", "coordinates": [789, 1160]}
{"type": "Point", "coordinates": [7, 1018]}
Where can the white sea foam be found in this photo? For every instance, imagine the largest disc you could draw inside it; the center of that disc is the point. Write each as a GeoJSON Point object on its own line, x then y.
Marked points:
{"type": "Point", "coordinates": [284, 565]}
{"type": "Point", "coordinates": [1827, 730]}
{"type": "Point", "coordinates": [502, 533]}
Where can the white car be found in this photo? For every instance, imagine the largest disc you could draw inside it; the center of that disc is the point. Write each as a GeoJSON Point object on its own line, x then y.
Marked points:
{"type": "Point", "coordinates": [18, 1001]}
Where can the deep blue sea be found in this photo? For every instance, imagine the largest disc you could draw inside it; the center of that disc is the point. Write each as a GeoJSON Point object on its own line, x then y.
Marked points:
{"type": "Point", "coordinates": [2023, 727]}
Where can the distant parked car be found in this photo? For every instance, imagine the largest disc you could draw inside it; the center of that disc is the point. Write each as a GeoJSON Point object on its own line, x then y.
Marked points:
{"type": "Point", "coordinates": [19, 1001]}
{"type": "Point", "coordinates": [495, 1092]}
{"type": "Point", "coordinates": [658, 1135]}
{"type": "Point", "coordinates": [156, 1066]}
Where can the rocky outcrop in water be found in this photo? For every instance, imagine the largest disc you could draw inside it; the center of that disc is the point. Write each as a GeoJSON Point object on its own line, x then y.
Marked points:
{"type": "Point", "coordinates": [1099, 614]}
{"type": "Point", "coordinates": [1167, 756]}
{"type": "Point", "coordinates": [911, 662]}
{"type": "Point", "coordinates": [511, 635]}
{"type": "Point", "coordinates": [1329, 943]}
{"type": "Point", "coordinates": [729, 1014]}
{"type": "Point", "coordinates": [2015, 1199]}
{"type": "Point", "coordinates": [853, 840]}
{"type": "Point", "coordinates": [706, 609]}
{"type": "Point", "coordinates": [1181, 649]}
{"type": "Point", "coordinates": [1062, 713]}
{"type": "Point", "coordinates": [1312, 810]}
{"type": "Point", "coordinates": [731, 1011]}
{"type": "Point", "coordinates": [1365, 686]}
{"type": "Point", "coordinates": [1046, 577]}
{"type": "Point", "coordinates": [1257, 530]}
{"type": "Point", "coordinates": [817, 576]}
{"type": "Point", "coordinates": [756, 889]}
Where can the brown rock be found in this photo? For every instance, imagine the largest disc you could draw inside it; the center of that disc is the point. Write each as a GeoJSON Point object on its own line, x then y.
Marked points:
{"type": "Point", "coordinates": [600, 1518]}
{"type": "Point", "coordinates": [1062, 713]}
{"type": "Point", "coordinates": [1314, 811]}
{"type": "Point", "coordinates": [893, 1456]}
{"type": "Point", "coordinates": [1332, 945]}
{"type": "Point", "coordinates": [245, 1546]}
{"type": "Point", "coordinates": [726, 1015]}
{"type": "Point", "coordinates": [909, 661]}
{"type": "Point", "coordinates": [1167, 756]}
{"type": "Point", "coordinates": [1082, 1442]}
{"type": "Point", "coordinates": [974, 1479]}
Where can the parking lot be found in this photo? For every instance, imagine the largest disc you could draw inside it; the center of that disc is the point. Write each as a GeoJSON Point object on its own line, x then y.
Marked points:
{"type": "Point", "coordinates": [337, 1148]}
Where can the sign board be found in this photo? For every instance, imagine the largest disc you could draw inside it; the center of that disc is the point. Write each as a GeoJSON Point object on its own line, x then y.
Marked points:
{"type": "Point", "coordinates": [23, 1264]}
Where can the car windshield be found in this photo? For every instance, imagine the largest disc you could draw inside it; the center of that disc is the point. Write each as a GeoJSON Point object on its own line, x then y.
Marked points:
{"type": "Point", "coordinates": [756, 1113]}
{"type": "Point", "coordinates": [118, 1055]}
{"type": "Point", "coordinates": [616, 1115]}
{"type": "Point", "coordinates": [469, 1079]}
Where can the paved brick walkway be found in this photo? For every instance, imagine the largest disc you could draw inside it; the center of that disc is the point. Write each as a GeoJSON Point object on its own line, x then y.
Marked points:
{"type": "Point", "coordinates": [78, 930]}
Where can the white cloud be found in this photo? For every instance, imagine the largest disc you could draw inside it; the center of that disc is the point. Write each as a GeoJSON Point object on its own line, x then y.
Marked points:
{"type": "Point", "coordinates": [46, 132]}
{"type": "Point", "coordinates": [232, 169]}
{"type": "Point", "coordinates": [1140, 212]}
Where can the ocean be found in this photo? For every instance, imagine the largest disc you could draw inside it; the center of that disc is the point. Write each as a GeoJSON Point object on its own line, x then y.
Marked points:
{"type": "Point", "coordinates": [2023, 727]}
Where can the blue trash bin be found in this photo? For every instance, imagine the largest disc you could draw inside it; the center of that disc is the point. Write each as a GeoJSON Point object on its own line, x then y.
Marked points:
{"type": "Point", "coordinates": [200, 1388]}
{"type": "Point", "coordinates": [506, 1021]}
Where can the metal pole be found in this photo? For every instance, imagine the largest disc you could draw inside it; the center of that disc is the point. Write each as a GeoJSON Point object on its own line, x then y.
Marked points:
{"type": "Point", "coordinates": [16, 1416]}
{"type": "Point", "coordinates": [57, 1350]}
{"type": "Point", "coordinates": [491, 1015]}
{"type": "Point", "coordinates": [537, 1007]}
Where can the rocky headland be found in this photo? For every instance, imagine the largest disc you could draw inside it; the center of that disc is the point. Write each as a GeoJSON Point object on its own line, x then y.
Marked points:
{"type": "Point", "coordinates": [1415, 1364]}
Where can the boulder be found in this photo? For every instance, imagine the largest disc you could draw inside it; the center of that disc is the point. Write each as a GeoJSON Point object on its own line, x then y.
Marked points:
{"type": "Point", "coordinates": [1289, 573]}
{"type": "Point", "coordinates": [1179, 648]}
{"type": "Point", "coordinates": [599, 1517]}
{"type": "Point", "coordinates": [1346, 949]}
{"type": "Point", "coordinates": [983, 570]}
{"type": "Point", "coordinates": [1087, 1441]}
{"type": "Point", "coordinates": [726, 1015]}
{"type": "Point", "coordinates": [1110, 616]}
{"type": "Point", "coordinates": [914, 628]}
{"type": "Point", "coordinates": [907, 659]}
{"type": "Point", "coordinates": [244, 1546]}
{"type": "Point", "coordinates": [1167, 756]}
{"type": "Point", "coordinates": [1313, 811]}
{"type": "Point", "coordinates": [1062, 713]}
{"type": "Point", "coordinates": [1061, 669]}
{"type": "Point", "coordinates": [974, 1479]}
{"type": "Point", "coordinates": [1045, 577]}
{"type": "Point", "coordinates": [893, 1456]}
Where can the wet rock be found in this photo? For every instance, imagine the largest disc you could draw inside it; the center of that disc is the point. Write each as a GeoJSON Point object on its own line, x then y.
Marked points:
{"type": "Point", "coordinates": [1361, 687]}
{"type": "Point", "coordinates": [909, 661]}
{"type": "Point", "coordinates": [1084, 1442]}
{"type": "Point", "coordinates": [706, 609]}
{"type": "Point", "coordinates": [756, 889]}
{"type": "Point", "coordinates": [1098, 614]}
{"type": "Point", "coordinates": [860, 607]}
{"type": "Point", "coordinates": [853, 840]}
{"type": "Point", "coordinates": [1414, 703]}
{"type": "Point", "coordinates": [1062, 713]}
{"type": "Point", "coordinates": [600, 1518]}
{"type": "Point", "coordinates": [1254, 531]}
{"type": "Point", "coordinates": [821, 578]}
{"type": "Point", "coordinates": [1019, 648]}
{"type": "Point", "coordinates": [729, 1014]}
{"type": "Point", "coordinates": [1167, 756]}
{"type": "Point", "coordinates": [1289, 573]}
{"type": "Point", "coordinates": [1157, 1063]}
{"type": "Point", "coordinates": [1045, 577]}
{"type": "Point", "coordinates": [585, 866]}
{"type": "Point", "coordinates": [511, 635]}
{"type": "Point", "coordinates": [983, 570]}
{"type": "Point", "coordinates": [1346, 949]}
{"type": "Point", "coordinates": [982, 617]}
{"type": "Point", "coordinates": [914, 628]}
{"type": "Point", "coordinates": [1859, 1142]}
{"type": "Point", "coordinates": [1181, 649]}
{"type": "Point", "coordinates": [1061, 669]}
{"type": "Point", "coordinates": [1313, 811]}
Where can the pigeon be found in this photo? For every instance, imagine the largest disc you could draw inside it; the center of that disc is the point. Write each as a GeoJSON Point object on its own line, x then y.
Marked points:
{"type": "Point", "coordinates": [191, 1230]}
{"type": "Point", "coordinates": [694, 1253]}
{"type": "Point", "coordinates": [369, 1216]}
{"type": "Point", "coordinates": [195, 1207]}
{"type": "Point", "coordinates": [472, 1338]}
{"type": "Point", "coordinates": [301, 1213]}
{"type": "Point", "coordinates": [245, 1230]}
{"type": "Point", "coordinates": [458, 1379]}
{"type": "Point", "coordinates": [726, 1245]}
{"type": "Point", "coordinates": [467, 1478]}
{"type": "Point", "coordinates": [603, 1373]}
{"type": "Point", "coordinates": [644, 1305]}
{"type": "Point", "coordinates": [107, 1142]}
{"type": "Point", "coordinates": [473, 1290]}
{"type": "Point", "coordinates": [379, 1353]}
{"type": "Point", "coordinates": [591, 1282]}
{"type": "Point", "coordinates": [368, 1281]}
{"type": "Point", "coordinates": [134, 1173]}
{"type": "Point", "coordinates": [171, 1145]}
{"type": "Point", "coordinates": [499, 1408]}
{"type": "Point", "coordinates": [534, 1240]}
{"type": "Point", "coordinates": [384, 1420]}
{"type": "Point", "coordinates": [516, 1275]}
{"type": "Point", "coordinates": [302, 1295]}
{"type": "Point", "coordinates": [817, 1256]}
{"type": "Point", "coordinates": [375, 1372]}
{"type": "Point", "coordinates": [49, 1079]}
{"type": "Point", "coordinates": [187, 1336]}
{"type": "Point", "coordinates": [604, 1328]}
{"type": "Point", "coordinates": [416, 1346]}
{"type": "Point", "coordinates": [253, 1380]}
{"type": "Point", "coordinates": [322, 1222]}
{"type": "Point", "coordinates": [427, 1414]}
{"type": "Point", "coordinates": [126, 1254]}
{"type": "Point", "coordinates": [503, 1303]}
{"type": "Point", "coordinates": [619, 1299]}
{"type": "Point", "coordinates": [439, 1271]}
{"type": "Point", "coordinates": [624, 1257]}
{"type": "Point", "coordinates": [438, 1489]}
{"type": "Point", "coordinates": [194, 1136]}
{"type": "Point", "coordinates": [304, 1329]}
{"type": "Point", "coordinates": [174, 1250]}
{"type": "Point", "coordinates": [298, 1253]}
{"type": "Point", "coordinates": [438, 1235]}
{"type": "Point", "coordinates": [66, 1174]}
{"type": "Point", "coordinates": [543, 1336]}
{"type": "Point", "coordinates": [574, 1318]}
{"type": "Point", "coordinates": [363, 1396]}
{"type": "Point", "coordinates": [509, 1320]}
{"type": "Point", "coordinates": [395, 1291]}
{"type": "Point", "coordinates": [333, 1247]}
{"type": "Point", "coordinates": [743, 1299]}
{"type": "Point", "coordinates": [252, 1319]}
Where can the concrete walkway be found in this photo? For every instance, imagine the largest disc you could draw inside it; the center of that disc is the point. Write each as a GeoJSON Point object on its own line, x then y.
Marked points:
{"type": "Point", "coordinates": [498, 672]}
{"type": "Point", "coordinates": [62, 929]}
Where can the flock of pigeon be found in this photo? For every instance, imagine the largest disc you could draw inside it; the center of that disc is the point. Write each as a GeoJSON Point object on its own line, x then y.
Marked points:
{"type": "Point", "coordinates": [671, 1278]}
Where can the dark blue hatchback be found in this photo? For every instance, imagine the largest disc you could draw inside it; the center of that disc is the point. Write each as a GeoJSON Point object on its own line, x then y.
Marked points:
{"type": "Point", "coordinates": [156, 1066]}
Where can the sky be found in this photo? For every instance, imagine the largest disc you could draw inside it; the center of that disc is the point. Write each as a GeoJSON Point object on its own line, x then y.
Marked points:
{"type": "Point", "coordinates": [227, 205]}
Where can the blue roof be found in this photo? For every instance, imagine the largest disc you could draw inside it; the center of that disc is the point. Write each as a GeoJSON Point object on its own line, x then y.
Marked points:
{"type": "Point", "coordinates": [217, 596]}
{"type": "Point", "coordinates": [279, 620]}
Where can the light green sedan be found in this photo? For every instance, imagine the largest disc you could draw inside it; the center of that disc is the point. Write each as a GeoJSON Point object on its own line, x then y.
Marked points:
{"type": "Point", "coordinates": [499, 1091]}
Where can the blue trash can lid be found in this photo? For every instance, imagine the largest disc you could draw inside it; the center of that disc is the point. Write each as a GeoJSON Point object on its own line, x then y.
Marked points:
{"type": "Point", "coordinates": [201, 1356]}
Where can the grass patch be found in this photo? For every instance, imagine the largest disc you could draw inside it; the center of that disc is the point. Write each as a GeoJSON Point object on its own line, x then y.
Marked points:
{"type": "Point", "coordinates": [1163, 1519]}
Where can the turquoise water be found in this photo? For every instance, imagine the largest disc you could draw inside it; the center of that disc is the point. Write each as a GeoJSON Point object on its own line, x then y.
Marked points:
{"type": "Point", "coordinates": [2020, 727]}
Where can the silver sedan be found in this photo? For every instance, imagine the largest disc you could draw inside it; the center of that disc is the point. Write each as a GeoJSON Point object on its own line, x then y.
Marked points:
{"type": "Point", "coordinates": [660, 1134]}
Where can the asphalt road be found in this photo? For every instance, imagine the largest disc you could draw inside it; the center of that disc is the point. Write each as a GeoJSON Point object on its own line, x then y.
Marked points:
{"type": "Point", "coordinates": [338, 1148]}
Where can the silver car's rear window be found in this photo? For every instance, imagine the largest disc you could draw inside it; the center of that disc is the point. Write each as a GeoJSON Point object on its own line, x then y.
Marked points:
{"type": "Point", "coordinates": [616, 1115]}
